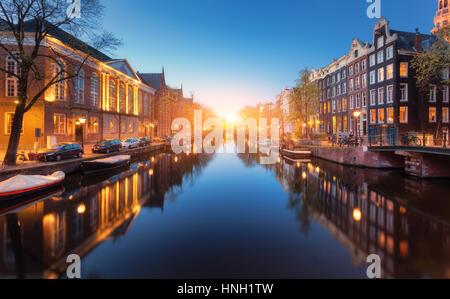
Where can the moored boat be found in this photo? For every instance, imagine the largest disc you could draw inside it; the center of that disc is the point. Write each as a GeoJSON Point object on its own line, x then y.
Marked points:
{"type": "Point", "coordinates": [25, 185]}
{"type": "Point", "coordinates": [297, 153]}
{"type": "Point", "coordinates": [110, 163]}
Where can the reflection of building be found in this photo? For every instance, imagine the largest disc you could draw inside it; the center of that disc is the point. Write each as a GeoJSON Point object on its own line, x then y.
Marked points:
{"type": "Point", "coordinates": [286, 122]}
{"type": "Point", "coordinates": [35, 241]}
{"type": "Point", "coordinates": [442, 18]}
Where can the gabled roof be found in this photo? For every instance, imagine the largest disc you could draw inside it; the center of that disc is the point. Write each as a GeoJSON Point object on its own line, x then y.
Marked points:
{"type": "Point", "coordinates": [155, 80]}
{"type": "Point", "coordinates": [123, 66]}
{"type": "Point", "coordinates": [406, 39]}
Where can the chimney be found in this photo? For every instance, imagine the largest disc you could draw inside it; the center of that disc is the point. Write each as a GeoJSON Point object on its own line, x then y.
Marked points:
{"type": "Point", "coordinates": [418, 41]}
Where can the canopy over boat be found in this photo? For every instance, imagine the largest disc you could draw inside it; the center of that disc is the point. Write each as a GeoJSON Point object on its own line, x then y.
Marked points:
{"type": "Point", "coordinates": [27, 183]}
{"type": "Point", "coordinates": [112, 160]}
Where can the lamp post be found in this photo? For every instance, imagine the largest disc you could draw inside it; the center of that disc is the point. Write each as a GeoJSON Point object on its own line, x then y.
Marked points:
{"type": "Point", "coordinates": [356, 116]}
{"type": "Point", "coordinates": [82, 120]}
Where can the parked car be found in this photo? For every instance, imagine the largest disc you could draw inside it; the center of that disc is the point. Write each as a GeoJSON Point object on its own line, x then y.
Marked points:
{"type": "Point", "coordinates": [157, 139]}
{"type": "Point", "coordinates": [144, 141]}
{"type": "Point", "coordinates": [107, 146]}
{"type": "Point", "coordinates": [130, 143]}
{"type": "Point", "coordinates": [62, 151]}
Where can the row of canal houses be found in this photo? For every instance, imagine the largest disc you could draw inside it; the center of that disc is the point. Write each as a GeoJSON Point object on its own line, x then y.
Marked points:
{"type": "Point", "coordinates": [107, 100]}
{"type": "Point", "coordinates": [371, 91]}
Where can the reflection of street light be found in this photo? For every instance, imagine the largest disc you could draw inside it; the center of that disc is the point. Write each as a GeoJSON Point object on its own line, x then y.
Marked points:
{"type": "Point", "coordinates": [357, 215]}
{"type": "Point", "coordinates": [81, 209]}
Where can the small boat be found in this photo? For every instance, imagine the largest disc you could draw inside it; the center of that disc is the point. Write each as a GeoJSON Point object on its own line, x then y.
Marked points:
{"type": "Point", "coordinates": [298, 153]}
{"type": "Point", "coordinates": [106, 164]}
{"type": "Point", "coordinates": [25, 185]}
{"type": "Point", "coordinates": [19, 204]}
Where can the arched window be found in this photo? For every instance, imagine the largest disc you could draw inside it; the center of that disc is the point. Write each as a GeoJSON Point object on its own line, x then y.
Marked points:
{"type": "Point", "coordinates": [59, 88]}
{"type": "Point", "coordinates": [95, 87]}
{"type": "Point", "coordinates": [130, 100]}
{"type": "Point", "coordinates": [122, 103]}
{"type": "Point", "coordinates": [79, 87]}
{"type": "Point", "coordinates": [11, 82]}
{"type": "Point", "coordinates": [112, 97]}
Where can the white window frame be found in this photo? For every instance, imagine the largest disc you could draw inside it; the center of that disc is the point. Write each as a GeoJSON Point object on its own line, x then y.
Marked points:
{"type": "Point", "coordinates": [404, 86]}
{"type": "Point", "coordinates": [380, 96]}
{"type": "Point", "coordinates": [391, 67]}
{"type": "Point", "coordinates": [10, 79]}
{"type": "Point", "coordinates": [390, 52]}
{"type": "Point", "coordinates": [432, 94]}
{"type": "Point", "coordinates": [372, 60]}
{"type": "Point", "coordinates": [445, 94]}
{"type": "Point", "coordinates": [380, 57]}
{"type": "Point", "coordinates": [390, 94]}
{"type": "Point", "coordinates": [57, 119]}
{"type": "Point", "coordinates": [373, 77]}
{"type": "Point", "coordinates": [407, 69]}
{"type": "Point", "coordinates": [59, 88]}
{"type": "Point", "coordinates": [380, 74]}
{"type": "Point", "coordinates": [380, 42]}
{"type": "Point", "coordinates": [380, 121]}
{"type": "Point", "coordinates": [95, 90]}
{"type": "Point", "coordinates": [373, 97]}
{"type": "Point", "coordinates": [8, 128]}
{"type": "Point", "coordinates": [401, 120]}
{"type": "Point", "coordinates": [430, 120]}
{"type": "Point", "coordinates": [79, 87]}
{"type": "Point", "coordinates": [387, 115]}
{"type": "Point", "coordinates": [445, 116]}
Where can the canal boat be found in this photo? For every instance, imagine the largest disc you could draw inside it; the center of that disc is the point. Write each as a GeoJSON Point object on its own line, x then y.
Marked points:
{"type": "Point", "coordinates": [297, 153]}
{"type": "Point", "coordinates": [106, 164]}
{"type": "Point", "coordinates": [22, 186]}
{"type": "Point", "coordinates": [19, 204]}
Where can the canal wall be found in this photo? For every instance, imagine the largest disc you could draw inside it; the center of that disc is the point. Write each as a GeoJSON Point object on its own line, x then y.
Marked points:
{"type": "Point", "coordinates": [359, 157]}
{"type": "Point", "coordinates": [73, 165]}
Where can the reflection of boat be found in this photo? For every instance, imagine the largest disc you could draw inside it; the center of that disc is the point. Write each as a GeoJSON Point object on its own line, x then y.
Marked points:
{"type": "Point", "coordinates": [13, 206]}
{"type": "Point", "coordinates": [296, 154]}
{"type": "Point", "coordinates": [27, 185]}
{"type": "Point", "coordinates": [106, 164]}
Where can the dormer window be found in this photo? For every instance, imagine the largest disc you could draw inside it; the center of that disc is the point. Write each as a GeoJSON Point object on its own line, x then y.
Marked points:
{"type": "Point", "coordinates": [380, 42]}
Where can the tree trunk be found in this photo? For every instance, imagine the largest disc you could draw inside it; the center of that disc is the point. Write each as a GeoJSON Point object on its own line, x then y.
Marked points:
{"type": "Point", "coordinates": [14, 139]}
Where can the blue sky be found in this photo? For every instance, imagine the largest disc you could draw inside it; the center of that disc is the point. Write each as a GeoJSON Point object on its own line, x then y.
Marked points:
{"type": "Point", "coordinates": [232, 53]}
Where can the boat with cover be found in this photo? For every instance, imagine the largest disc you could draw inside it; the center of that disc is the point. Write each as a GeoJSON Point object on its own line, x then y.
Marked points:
{"type": "Point", "coordinates": [109, 163]}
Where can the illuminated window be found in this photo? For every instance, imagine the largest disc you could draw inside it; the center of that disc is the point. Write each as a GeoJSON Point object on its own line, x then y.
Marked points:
{"type": "Point", "coordinates": [112, 125]}
{"type": "Point", "coordinates": [344, 104]}
{"type": "Point", "coordinates": [381, 116]}
{"type": "Point", "coordinates": [403, 114]}
{"type": "Point", "coordinates": [373, 116]}
{"type": "Point", "coordinates": [432, 114]}
{"type": "Point", "coordinates": [404, 69]}
{"type": "Point", "coordinates": [390, 115]}
{"type": "Point", "coordinates": [9, 118]}
{"type": "Point", "coordinates": [95, 88]}
{"type": "Point", "coordinates": [445, 115]}
{"type": "Point", "coordinates": [112, 96]}
{"type": "Point", "coordinates": [122, 102]}
{"type": "Point", "coordinates": [59, 124]}
{"type": "Point", "coordinates": [94, 125]}
{"type": "Point", "coordinates": [130, 100]}
{"type": "Point", "coordinates": [79, 87]}
{"type": "Point", "coordinates": [381, 74]}
{"type": "Point", "coordinates": [390, 71]}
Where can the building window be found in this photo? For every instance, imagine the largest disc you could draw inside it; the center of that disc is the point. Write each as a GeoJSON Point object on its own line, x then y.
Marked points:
{"type": "Point", "coordinates": [381, 116]}
{"type": "Point", "coordinates": [381, 96]}
{"type": "Point", "coordinates": [357, 68]}
{"type": "Point", "coordinates": [112, 125]}
{"type": "Point", "coordinates": [122, 102]}
{"type": "Point", "coordinates": [432, 94]}
{"type": "Point", "coordinates": [373, 95]}
{"type": "Point", "coordinates": [112, 96]}
{"type": "Point", "coordinates": [130, 100]}
{"type": "Point", "coordinates": [94, 125]}
{"type": "Point", "coordinates": [358, 101]}
{"type": "Point", "coordinates": [352, 85]}
{"type": "Point", "coordinates": [344, 87]}
{"type": "Point", "coordinates": [390, 115]}
{"type": "Point", "coordinates": [373, 116]}
{"type": "Point", "coordinates": [350, 71]}
{"type": "Point", "coordinates": [373, 78]}
{"type": "Point", "coordinates": [404, 92]}
{"type": "Point", "coordinates": [380, 42]}
{"type": "Point", "coordinates": [373, 60]}
{"type": "Point", "coordinates": [79, 87]}
{"type": "Point", "coordinates": [380, 57]}
{"type": "Point", "coordinates": [445, 115]}
{"type": "Point", "coordinates": [381, 74]}
{"type": "Point", "coordinates": [9, 118]}
{"type": "Point", "coordinates": [139, 101]}
{"type": "Point", "coordinates": [59, 88]}
{"type": "Point", "coordinates": [445, 73]}
{"type": "Point", "coordinates": [363, 65]}
{"type": "Point", "coordinates": [403, 114]}
{"type": "Point", "coordinates": [334, 106]}
{"type": "Point", "coordinates": [390, 94]}
{"type": "Point", "coordinates": [364, 99]}
{"type": "Point", "coordinates": [390, 52]}
{"type": "Point", "coordinates": [432, 114]}
{"type": "Point", "coordinates": [364, 80]}
{"type": "Point", "coordinates": [59, 124]}
{"type": "Point", "coordinates": [344, 74]}
{"type": "Point", "coordinates": [95, 90]}
{"type": "Point", "coordinates": [404, 69]}
{"type": "Point", "coordinates": [344, 104]}
{"type": "Point", "coordinates": [11, 81]}
{"type": "Point", "coordinates": [390, 71]}
{"type": "Point", "coordinates": [352, 102]}
{"type": "Point", "coordinates": [445, 94]}
{"type": "Point", "coordinates": [358, 82]}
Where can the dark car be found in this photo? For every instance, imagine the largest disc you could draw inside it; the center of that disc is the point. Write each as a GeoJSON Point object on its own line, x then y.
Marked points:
{"type": "Point", "coordinates": [144, 141]}
{"type": "Point", "coordinates": [107, 146]}
{"type": "Point", "coordinates": [62, 151]}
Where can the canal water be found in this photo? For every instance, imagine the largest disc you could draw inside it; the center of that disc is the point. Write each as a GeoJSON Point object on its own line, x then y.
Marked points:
{"type": "Point", "coordinates": [227, 216]}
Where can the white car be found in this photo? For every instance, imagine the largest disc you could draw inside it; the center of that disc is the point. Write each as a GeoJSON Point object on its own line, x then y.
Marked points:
{"type": "Point", "coordinates": [130, 143]}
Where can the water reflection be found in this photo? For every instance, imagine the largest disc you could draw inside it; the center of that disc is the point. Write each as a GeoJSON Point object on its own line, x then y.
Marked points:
{"type": "Point", "coordinates": [406, 222]}
{"type": "Point", "coordinates": [35, 240]}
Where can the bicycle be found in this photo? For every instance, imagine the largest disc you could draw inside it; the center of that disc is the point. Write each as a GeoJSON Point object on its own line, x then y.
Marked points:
{"type": "Point", "coordinates": [411, 140]}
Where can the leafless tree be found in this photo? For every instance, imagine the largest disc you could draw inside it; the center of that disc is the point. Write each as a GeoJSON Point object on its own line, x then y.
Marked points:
{"type": "Point", "coordinates": [25, 26]}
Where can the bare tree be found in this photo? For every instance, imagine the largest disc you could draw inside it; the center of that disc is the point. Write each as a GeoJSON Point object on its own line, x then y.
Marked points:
{"type": "Point", "coordinates": [25, 29]}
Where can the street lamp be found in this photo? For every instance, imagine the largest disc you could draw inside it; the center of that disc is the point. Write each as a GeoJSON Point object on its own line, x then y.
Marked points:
{"type": "Point", "coordinates": [82, 120]}
{"type": "Point", "coordinates": [356, 116]}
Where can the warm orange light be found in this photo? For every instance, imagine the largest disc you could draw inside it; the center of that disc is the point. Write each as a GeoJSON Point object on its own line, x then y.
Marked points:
{"type": "Point", "coordinates": [317, 169]}
{"type": "Point", "coordinates": [81, 209]}
{"type": "Point", "coordinates": [357, 215]}
{"type": "Point", "coordinates": [298, 164]}
{"type": "Point", "coordinates": [304, 175]}
{"type": "Point", "coordinates": [176, 159]}
{"type": "Point", "coordinates": [153, 159]}
{"type": "Point", "coordinates": [150, 172]}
